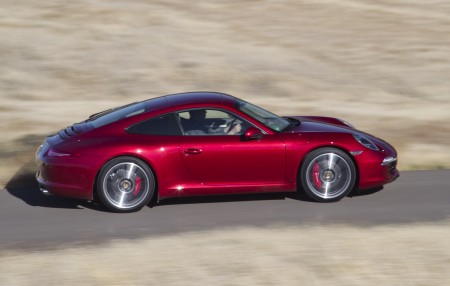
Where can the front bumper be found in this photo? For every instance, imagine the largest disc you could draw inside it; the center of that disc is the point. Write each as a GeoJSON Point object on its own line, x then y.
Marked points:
{"type": "Point", "coordinates": [376, 168]}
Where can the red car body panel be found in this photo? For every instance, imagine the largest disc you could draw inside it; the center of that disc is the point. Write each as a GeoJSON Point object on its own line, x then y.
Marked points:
{"type": "Point", "coordinates": [204, 165]}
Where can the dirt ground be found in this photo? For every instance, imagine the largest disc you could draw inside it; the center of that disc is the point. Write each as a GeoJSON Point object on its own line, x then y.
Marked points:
{"type": "Point", "coordinates": [382, 65]}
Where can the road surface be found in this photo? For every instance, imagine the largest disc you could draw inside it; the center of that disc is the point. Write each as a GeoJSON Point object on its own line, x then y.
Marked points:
{"type": "Point", "coordinates": [31, 220]}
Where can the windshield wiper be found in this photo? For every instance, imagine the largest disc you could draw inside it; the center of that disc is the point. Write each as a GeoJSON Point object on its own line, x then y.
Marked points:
{"type": "Point", "coordinates": [292, 123]}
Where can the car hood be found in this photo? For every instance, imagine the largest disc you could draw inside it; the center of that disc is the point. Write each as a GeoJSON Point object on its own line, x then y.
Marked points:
{"type": "Point", "coordinates": [329, 124]}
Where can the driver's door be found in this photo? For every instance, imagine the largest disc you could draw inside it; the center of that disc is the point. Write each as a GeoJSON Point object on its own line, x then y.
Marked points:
{"type": "Point", "coordinates": [228, 160]}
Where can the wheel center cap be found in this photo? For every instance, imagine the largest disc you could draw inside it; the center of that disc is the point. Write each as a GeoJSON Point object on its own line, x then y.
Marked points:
{"type": "Point", "coordinates": [328, 175]}
{"type": "Point", "coordinates": [126, 185]}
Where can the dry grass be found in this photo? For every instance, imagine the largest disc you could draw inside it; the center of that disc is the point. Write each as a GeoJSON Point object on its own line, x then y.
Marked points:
{"type": "Point", "coordinates": [382, 65]}
{"type": "Point", "coordinates": [282, 255]}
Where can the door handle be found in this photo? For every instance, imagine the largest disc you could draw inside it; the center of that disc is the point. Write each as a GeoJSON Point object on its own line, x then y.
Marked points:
{"type": "Point", "coordinates": [192, 151]}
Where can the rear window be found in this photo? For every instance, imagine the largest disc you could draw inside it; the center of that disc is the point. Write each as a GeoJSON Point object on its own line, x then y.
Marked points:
{"type": "Point", "coordinates": [126, 111]}
{"type": "Point", "coordinates": [161, 125]}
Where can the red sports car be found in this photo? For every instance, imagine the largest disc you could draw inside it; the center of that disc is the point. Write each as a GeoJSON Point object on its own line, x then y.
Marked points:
{"type": "Point", "coordinates": [205, 143]}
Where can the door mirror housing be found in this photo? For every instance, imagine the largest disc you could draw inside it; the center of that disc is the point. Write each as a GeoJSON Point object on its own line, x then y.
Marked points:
{"type": "Point", "coordinates": [252, 133]}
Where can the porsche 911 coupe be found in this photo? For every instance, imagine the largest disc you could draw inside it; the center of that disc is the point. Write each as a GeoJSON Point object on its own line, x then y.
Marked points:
{"type": "Point", "coordinates": [208, 143]}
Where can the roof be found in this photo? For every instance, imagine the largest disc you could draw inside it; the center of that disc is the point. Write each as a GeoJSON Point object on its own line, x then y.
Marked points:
{"type": "Point", "coordinates": [201, 97]}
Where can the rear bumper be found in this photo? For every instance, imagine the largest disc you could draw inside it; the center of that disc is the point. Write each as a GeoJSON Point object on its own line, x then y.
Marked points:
{"type": "Point", "coordinates": [48, 187]}
{"type": "Point", "coordinates": [68, 177]}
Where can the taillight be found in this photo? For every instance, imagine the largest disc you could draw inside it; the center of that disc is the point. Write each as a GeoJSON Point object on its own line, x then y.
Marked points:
{"type": "Point", "coordinates": [52, 152]}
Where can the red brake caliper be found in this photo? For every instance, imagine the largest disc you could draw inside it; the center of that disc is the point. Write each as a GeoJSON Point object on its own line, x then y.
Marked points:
{"type": "Point", "coordinates": [137, 186]}
{"type": "Point", "coordinates": [315, 174]}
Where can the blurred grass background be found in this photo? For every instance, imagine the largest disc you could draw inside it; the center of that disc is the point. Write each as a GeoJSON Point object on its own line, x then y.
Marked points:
{"type": "Point", "coordinates": [279, 255]}
{"type": "Point", "coordinates": [382, 65]}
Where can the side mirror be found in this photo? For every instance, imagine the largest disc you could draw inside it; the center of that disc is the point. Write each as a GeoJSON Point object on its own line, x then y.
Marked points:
{"type": "Point", "coordinates": [252, 133]}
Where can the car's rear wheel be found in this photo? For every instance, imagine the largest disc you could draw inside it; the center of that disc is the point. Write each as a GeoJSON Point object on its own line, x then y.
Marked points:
{"type": "Point", "coordinates": [125, 184]}
{"type": "Point", "coordinates": [327, 175]}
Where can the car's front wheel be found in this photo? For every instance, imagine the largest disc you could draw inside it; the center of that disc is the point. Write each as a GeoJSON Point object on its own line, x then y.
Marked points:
{"type": "Point", "coordinates": [327, 175]}
{"type": "Point", "coordinates": [125, 184]}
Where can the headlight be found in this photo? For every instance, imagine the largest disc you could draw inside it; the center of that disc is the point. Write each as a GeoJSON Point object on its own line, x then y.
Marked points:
{"type": "Point", "coordinates": [366, 142]}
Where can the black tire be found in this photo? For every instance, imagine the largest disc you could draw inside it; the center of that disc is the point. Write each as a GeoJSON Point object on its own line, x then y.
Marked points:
{"type": "Point", "coordinates": [327, 175]}
{"type": "Point", "coordinates": [125, 184]}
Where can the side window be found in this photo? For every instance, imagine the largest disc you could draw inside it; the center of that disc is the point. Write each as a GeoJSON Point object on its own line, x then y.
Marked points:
{"type": "Point", "coordinates": [161, 125]}
{"type": "Point", "coordinates": [211, 122]}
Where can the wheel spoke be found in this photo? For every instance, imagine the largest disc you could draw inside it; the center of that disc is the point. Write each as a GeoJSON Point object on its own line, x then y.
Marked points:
{"type": "Point", "coordinates": [131, 170]}
{"type": "Point", "coordinates": [330, 161]}
{"type": "Point", "coordinates": [327, 185]}
{"type": "Point", "coordinates": [121, 199]}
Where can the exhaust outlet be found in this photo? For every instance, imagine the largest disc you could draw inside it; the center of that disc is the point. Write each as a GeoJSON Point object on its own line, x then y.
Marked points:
{"type": "Point", "coordinates": [44, 191]}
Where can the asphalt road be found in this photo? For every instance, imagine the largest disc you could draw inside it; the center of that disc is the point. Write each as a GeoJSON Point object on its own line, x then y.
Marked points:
{"type": "Point", "coordinates": [31, 220]}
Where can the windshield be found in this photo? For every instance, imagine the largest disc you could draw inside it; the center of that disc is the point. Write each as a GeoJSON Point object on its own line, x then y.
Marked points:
{"type": "Point", "coordinates": [267, 118]}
